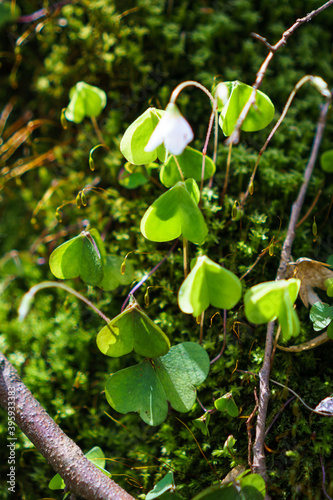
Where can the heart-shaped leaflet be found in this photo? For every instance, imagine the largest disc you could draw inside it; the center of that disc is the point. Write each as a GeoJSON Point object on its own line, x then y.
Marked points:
{"type": "Point", "coordinates": [132, 330]}
{"type": "Point", "coordinates": [146, 388]}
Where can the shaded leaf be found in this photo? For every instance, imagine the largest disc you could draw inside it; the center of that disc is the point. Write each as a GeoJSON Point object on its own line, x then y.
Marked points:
{"type": "Point", "coordinates": [321, 315]}
{"type": "Point", "coordinates": [165, 484]}
{"type": "Point", "coordinates": [148, 387]}
{"type": "Point", "coordinates": [226, 403]}
{"type": "Point", "coordinates": [190, 162]}
{"type": "Point", "coordinates": [112, 277]}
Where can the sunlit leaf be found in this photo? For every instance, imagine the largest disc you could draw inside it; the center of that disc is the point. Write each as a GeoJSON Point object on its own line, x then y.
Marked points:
{"type": "Point", "coordinates": [271, 300]}
{"type": "Point", "coordinates": [81, 256]}
{"type": "Point", "coordinates": [207, 284]}
{"type": "Point", "coordinates": [85, 100]}
{"type": "Point", "coordinates": [190, 162]}
{"type": "Point", "coordinates": [326, 161]}
{"type": "Point", "coordinates": [165, 484]}
{"type": "Point", "coordinates": [137, 135]}
{"type": "Point", "coordinates": [112, 275]}
{"type": "Point", "coordinates": [259, 116]}
{"type": "Point", "coordinates": [176, 213]}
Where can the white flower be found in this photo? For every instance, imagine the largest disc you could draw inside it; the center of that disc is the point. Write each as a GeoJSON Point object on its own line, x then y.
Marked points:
{"type": "Point", "coordinates": [222, 93]}
{"type": "Point", "coordinates": [173, 130]}
{"type": "Point", "coordinates": [320, 85]}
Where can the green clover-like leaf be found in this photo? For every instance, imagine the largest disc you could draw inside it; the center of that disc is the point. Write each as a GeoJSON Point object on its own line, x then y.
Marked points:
{"type": "Point", "coordinates": [208, 283]}
{"type": "Point", "coordinates": [259, 116]}
{"type": "Point", "coordinates": [271, 300]}
{"type": "Point", "coordinates": [326, 161]}
{"type": "Point", "coordinates": [246, 486]}
{"type": "Point", "coordinates": [85, 100]}
{"type": "Point", "coordinates": [81, 256]}
{"type": "Point", "coordinates": [176, 213]}
{"type": "Point", "coordinates": [321, 315]}
{"type": "Point", "coordinates": [226, 403]}
{"type": "Point", "coordinates": [137, 136]}
{"type": "Point", "coordinates": [132, 330]}
{"type": "Point", "coordinates": [190, 162]}
{"type": "Point", "coordinates": [148, 387]}
{"type": "Point", "coordinates": [165, 484]}
{"type": "Point", "coordinates": [112, 275]}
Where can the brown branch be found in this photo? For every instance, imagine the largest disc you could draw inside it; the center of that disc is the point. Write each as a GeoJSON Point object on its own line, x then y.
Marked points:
{"type": "Point", "coordinates": [310, 344]}
{"type": "Point", "coordinates": [65, 457]}
{"type": "Point", "coordinates": [234, 137]}
{"type": "Point", "coordinates": [259, 461]}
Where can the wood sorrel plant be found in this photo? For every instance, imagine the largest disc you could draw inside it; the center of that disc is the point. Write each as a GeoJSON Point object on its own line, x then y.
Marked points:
{"type": "Point", "coordinates": [170, 375]}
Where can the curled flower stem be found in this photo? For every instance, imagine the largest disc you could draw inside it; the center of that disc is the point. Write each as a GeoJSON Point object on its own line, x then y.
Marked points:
{"type": "Point", "coordinates": [192, 83]}
{"type": "Point", "coordinates": [28, 297]}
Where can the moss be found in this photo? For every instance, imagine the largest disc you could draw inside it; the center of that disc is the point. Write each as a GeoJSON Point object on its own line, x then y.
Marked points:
{"type": "Point", "coordinates": [138, 55]}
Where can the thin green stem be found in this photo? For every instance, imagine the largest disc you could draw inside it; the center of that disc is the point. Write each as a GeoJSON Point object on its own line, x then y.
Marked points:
{"type": "Point", "coordinates": [185, 256]}
{"type": "Point", "coordinates": [97, 130]}
{"type": "Point", "coordinates": [28, 298]}
{"type": "Point", "coordinates": [226, 175]}
{"type": "Point", "coordinates": [179, 169]}
{"type": "Point", "coordinates": [192, 83]}
{"type": "Point", "coordinates": [278, 123]}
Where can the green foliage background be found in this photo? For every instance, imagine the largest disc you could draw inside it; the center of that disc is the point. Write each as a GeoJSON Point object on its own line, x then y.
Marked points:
{"type": "Point", "coordinates": [138, 52]}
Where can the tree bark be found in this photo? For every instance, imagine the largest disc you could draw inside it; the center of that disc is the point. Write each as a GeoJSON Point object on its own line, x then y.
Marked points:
{"type": "Point", "coordinates": [79, 474]}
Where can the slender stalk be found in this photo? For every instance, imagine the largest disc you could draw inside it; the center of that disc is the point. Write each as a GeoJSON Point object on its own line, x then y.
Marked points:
{"type": "Point", "coordinates": [204, 151]}
{"type": "Point", "coordinates": [234, 137]}
{"type": "Point", "coordinates": [185, 256]}
{"type": "Point", "coordinates": [28, 297]}
{"type": "Point", "coordinates": [202, 317]}
{"type": "Point", "coordinates": [278, 123]}
{"type": "Point", "coordinates": [259, 461]}
{"type": "Point", "coordinates": [226, 175]}
{"type": "Point", "coordinates": [179, 169]}
{"type": "Point", "coordinates": [192, 83]}
{"type": "Point", "coordinates": [97, 130]}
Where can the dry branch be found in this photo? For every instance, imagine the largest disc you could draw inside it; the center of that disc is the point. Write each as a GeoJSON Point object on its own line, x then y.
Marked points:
{"type": "Point", "coordinates": [65, 457]}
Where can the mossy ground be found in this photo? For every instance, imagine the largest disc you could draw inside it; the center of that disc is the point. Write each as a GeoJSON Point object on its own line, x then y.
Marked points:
{"type": "Point", "coordinates": [138, 52]}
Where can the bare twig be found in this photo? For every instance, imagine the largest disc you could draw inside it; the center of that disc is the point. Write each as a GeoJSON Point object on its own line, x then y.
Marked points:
{"type": "Point", "coordinates": [259, 461]}
{"type": "Point", "coordinates": [234, 137]}
{"type": "Point", "coordinates": [324, 478]}
{"type": "Point", "coordinates": [311, 344]}
{"type": "Point", "coordinates": [249, 426]}
{"type": "Point", "coordinates": [65, 457]}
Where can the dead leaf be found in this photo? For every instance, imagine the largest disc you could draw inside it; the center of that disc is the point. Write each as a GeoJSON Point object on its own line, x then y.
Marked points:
{"type": "Point", "coordinates": [312, 274]}
{"type": "Point", "coordinates": [231, 476]}
{"type": "Point", "coordinates": [326, 406]}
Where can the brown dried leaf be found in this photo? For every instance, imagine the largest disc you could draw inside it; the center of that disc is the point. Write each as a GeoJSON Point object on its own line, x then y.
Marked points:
{"type": "Point", "coordinates": [312, 274]}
